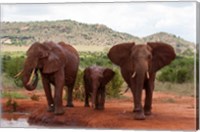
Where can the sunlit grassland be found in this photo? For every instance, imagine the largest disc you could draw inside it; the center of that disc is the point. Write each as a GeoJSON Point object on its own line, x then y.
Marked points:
{"type": "Point", "coordinates": [183, 89]}
{"type": "Point", "coordinates": [92, 48]}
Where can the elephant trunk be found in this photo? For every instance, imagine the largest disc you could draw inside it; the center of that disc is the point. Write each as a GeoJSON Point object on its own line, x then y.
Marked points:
{"type": "Point", "coordinates": [141, 73]}
{"type": "Point", "coordinates": [28, 81]}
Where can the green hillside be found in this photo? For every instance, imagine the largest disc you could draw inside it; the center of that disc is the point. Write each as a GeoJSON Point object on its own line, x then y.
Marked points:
{"type": "Point", "coordinates": [75, 33]}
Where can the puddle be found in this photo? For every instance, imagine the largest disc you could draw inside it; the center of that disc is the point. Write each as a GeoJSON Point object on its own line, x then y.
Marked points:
{"type": "Point", "coordinates": [20, 123]}
{"type": "Point", "coordinates": [15, 120]}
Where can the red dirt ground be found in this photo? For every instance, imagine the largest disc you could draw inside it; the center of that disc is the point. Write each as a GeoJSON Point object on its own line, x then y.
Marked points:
{"type": "Point", "coordinates": [169, 112]}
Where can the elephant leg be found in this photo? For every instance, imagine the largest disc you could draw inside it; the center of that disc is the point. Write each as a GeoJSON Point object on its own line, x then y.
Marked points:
{"type": "Point", "coordinates": [102, 99]}
{"type": "Point", "coordinates": [69, 96]}
{"type": "Point", "coordinates": [47, 90]}
{"type": "Point", "coordinates": [59, 84]}
{"type": "Point", "coordinates": [87, 99]}
{"type": "Point", "coordinates": [148, 99]}
{"type": "Point", "coordinates": [138, 110]}
{"type": "Point", "coordinates": [97, 101]}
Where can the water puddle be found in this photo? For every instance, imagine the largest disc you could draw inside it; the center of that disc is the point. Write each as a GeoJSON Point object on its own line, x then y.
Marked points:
{"type": "Point", "coordinates": [15, 120]}
{"type": "Point", "coordinates": [20, 123]}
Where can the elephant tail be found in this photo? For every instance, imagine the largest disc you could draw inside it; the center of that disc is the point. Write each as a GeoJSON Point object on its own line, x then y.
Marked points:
{"type": "Point", "coordinates": [126, 90]}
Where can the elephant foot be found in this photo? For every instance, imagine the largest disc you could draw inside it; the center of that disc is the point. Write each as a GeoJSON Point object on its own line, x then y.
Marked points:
{"type": "Point", "coordinates": [70, 105]}
{"type": "Point", "coordinates": [59, 111]}
{"type": "Point", "coordinates": [147, 112]}
{"type": "Point", "coordinates": [139, 116]}
{"type": "Point", "coordinates": [50, 108]}
{"type": "Point", "coordinates": [100, 108]}
{"type": "Point", "coordinates": [87, 105]}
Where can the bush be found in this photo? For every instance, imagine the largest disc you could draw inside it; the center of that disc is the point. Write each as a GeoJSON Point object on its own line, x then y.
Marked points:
{"type": "Point", "coordinates": [179, 71]}
{"type": "Point", "coordinates": [12, 66]}
{"type": "Point", "coordinates": [114, 86]}
{"type": "Point", "coordinates": [79, 92]}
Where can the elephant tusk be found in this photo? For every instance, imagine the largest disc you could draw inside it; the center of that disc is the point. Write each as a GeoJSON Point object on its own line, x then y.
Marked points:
{"type": "Point", "coordinates": [18, 74]}
{"type": "Point", "coordinates": [147, 75]}
{"type": "Point", "coordinates": [133, 75]}
{"type": "Point", "coordinates": [31, 78]}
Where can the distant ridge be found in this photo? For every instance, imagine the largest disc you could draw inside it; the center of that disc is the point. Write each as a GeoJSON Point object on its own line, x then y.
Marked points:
{"type": "Point", "coordinates": [75, 33]}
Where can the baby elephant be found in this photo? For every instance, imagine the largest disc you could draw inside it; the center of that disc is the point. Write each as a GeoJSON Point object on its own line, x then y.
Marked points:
{"type": "Point", "coordinates": [95, 80]}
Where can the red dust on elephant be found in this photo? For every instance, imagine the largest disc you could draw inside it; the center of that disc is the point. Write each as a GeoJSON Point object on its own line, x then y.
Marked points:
{"type": "Point", "coordinates": [138, 65]}
{"type": "Point", "coordinates": [95, 80]}
{"type": "Point", "coordinates": [58, 65]}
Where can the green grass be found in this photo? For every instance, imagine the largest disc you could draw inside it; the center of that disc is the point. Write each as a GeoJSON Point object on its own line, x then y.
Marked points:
{"type": "Point", "coordinates": [8, 82]}
{"type": "Point", "coordinates": [13, 95]}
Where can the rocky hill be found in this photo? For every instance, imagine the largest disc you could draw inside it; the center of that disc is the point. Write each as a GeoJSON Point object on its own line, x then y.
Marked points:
{"type": "Point", "coordinates": [75, 33]}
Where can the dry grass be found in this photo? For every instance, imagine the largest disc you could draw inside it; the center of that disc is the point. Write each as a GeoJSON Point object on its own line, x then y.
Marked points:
{"type": "Point", "coordinates": [187, 89]}
{"type": "Point", "coordinates": [9, 48]}
{"type": "Point", "coordinates": [92, 48]}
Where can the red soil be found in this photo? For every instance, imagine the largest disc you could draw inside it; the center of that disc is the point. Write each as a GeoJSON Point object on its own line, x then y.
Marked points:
{"type": "Point", "coordinates": [169, 112]}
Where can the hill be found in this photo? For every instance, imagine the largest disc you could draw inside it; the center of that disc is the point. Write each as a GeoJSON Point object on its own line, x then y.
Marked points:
{"type": "Point", "coordinates": [180, 45]}
{"type": "Point", "coordinates": [75, 33]}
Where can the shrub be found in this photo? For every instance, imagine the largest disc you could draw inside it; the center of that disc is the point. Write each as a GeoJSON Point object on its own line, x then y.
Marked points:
{"type": "Point", "coordinates": [78, 92]}
{"type": "Point", "coordinates": [179, 71]}
{"type": "Point", "coordinates": [12, 66]}
{"type": "Point", "coordinates": [114, 86]}
{"type": "Point", "coordinates": [12, 105]}
{"type": "Point", "coordinates": [35, 97]}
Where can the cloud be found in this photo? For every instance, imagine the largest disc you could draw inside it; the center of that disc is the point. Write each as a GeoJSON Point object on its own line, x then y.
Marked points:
{"type": "Point", "coordinates": [139, 19]}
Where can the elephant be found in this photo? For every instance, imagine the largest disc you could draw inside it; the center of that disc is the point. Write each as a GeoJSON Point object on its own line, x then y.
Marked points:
{"type": "Point", "coordinates": [138, 65]}
{"type": "Point", "coordinates": [58, 65]}
{"type": "Point", "coordinates": [95, 79]}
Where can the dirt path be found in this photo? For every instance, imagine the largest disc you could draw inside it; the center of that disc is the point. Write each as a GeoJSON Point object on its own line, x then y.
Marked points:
{"type": "Point", "coordinates": [170, 112]}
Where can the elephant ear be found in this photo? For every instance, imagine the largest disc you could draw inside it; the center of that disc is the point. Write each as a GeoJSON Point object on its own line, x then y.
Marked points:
{"type": "Point", "coordinates": [108, 74]}
{"type": "Point", "coordinates": [55, 59]}
{"type": "Point", "coordinates": [120, 53]}
{"type": "Point", "coordinates": [86, 73]}
{"type": "Point", "coordinates": [163, 54]}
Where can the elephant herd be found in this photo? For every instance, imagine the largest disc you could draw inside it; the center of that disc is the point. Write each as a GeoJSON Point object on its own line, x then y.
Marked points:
{"type": "Point", "coordinates": [58, 65]}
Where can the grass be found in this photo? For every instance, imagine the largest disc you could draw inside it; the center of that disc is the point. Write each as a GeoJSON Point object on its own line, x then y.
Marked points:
{"type": "Point", "coordinates": [13, 95]}
{"type": "Point", "coordinates": [168, 100]}
{"type": "Point", "coordinates": [13, 48]}
{"type": "Point", "coordinates": [7, 82]}
{"type": "Point", "coordinates": [184, 89]}
{"type": "Point", "coordinates": [92, 48]}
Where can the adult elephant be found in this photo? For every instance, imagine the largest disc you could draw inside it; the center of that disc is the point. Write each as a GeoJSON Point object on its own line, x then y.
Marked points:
{"type": "Point", "coordinates": [95, 79]}
{"type": "Point", "coordinates": [139, 64]}
{"type": "Point", "coordinates": [58, 65]}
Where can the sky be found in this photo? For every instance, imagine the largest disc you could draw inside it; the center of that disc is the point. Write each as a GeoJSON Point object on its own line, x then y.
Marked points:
{"type": "Point", "coordinates": [136, 18]}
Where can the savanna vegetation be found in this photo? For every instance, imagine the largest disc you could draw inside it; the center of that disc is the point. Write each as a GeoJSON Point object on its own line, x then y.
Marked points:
{"type": "Point", "coordinates": [178, 77]}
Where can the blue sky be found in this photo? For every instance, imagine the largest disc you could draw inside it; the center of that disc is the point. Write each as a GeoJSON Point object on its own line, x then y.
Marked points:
{"type": "Point", "coordinates": [136, 18]}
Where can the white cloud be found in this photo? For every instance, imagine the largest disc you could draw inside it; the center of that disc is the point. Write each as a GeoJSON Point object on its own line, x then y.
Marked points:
{"type": "Point", "coordinates": [139, 19]}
